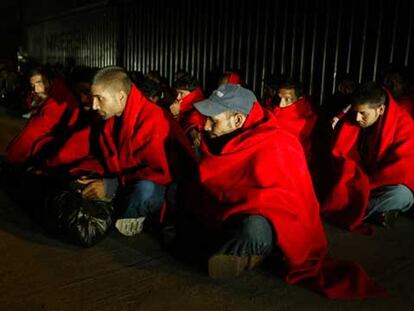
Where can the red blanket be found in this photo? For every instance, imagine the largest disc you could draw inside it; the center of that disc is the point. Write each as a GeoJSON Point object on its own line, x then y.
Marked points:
{"type": "Point", "coordinates": [189, 117]}
{"type": "Point", "coordinates": [263, 171]}
{"type": "Point", "coordinates": [346, 204]}
{"type": "Point", "coordinates": [145, 143]}
{"type": "Point", "coordinates": [77, 154]}
{"type": "Point", "coordinates": [56, 114]}
{"type": "Point", "coordinates": [298, 119]}
{"type": "Point", "coordinates": [234, 78]}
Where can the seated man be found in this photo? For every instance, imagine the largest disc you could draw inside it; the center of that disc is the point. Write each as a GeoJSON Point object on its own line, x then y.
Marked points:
{"type": "Point", "coordinates": [373, 154]}
{"type": "Point", "coordinates": [56, 112]}
{"type": "Point", "coordinates": [141, 145]}
{"type": "Point", "coordinates": [295, 113]}
{"type": "Point", "coordinates": [188, 92]}
{"type": "Point", "coordinates": [255, 194]}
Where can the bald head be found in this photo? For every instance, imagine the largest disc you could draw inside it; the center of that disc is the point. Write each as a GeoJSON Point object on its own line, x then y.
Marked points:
{"type": "Point", "coordinates": [110, 90]}
{"type": "Point", "coordinates": [114, 78]}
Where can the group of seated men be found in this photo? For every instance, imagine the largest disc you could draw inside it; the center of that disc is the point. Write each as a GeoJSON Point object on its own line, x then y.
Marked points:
{"type": "Point", "coordinates": [234, 176]}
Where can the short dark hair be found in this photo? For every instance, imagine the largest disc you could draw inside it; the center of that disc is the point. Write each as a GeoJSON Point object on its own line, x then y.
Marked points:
{"type": "Point", "coordinates": [113, 77]}
{"type": "Point", "coordinates": [292, 84]}
{"type": "Point", "coordinates": [39, 71]}
{"type": "Point", "coordinates": [185, 81]}
{"type": "Point", "coordinates": [150, 88]}
{"type": "Point", "coordinates": [369, 93]}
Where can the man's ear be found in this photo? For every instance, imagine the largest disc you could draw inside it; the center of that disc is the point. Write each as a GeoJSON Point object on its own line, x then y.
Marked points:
{"type": "Point", "coordinates": [122, 96]}
{"type": "Point", "coordinates": [239, 119]}
{"type": "Point", "coordinates": [381, 109]}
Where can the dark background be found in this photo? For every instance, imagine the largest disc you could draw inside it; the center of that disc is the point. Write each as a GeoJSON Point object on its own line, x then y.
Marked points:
{"type": "Point", "coordinates": [317, 41]}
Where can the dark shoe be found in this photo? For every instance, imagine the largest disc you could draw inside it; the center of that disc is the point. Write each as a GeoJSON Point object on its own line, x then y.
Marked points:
{"type": "Point", "coordinates": [385, 219]}
{"type": "Point", "coordinates": [228, 266]}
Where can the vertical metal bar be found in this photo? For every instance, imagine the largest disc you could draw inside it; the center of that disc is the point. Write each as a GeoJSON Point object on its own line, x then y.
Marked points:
{"type": "Point", "coordinates": [410, 32]}
{"type": "Point", "coordinates": [205, 20]}
{"type": "Point", "coordinates": [177, 37]}
{"type": "Point", "coordinates": [377, 45]}
{"type": "Point", "coordinates": [197, 71]}
{"type": "Point", "coordinates": [364, 39]}
{"type": "Point", "coordinates": [303, 44]}
{"type": "Point", "coordinates": [241, 24]}
{"type": "Point", "coordinates": [248, 45]}
{"type": "Point", "coordinates": [212, 29]}
{"type": "Point", "coordinates": [325, 48]}
{"type": "Point", "coordinates": [193, 64]}
{"type": "Point", "coordinates": [351, 38]}
{"type": "Point", "coordinates": [219, 23]}
{"type": "Point", "coordinates": [394, 30]}
{"type": "Point", "coordinates": [284, 35]}
{"type": "Point", "coordinates": [338, 40]}
{"type": "Point", "coordinates": [274, 36]}
{"type": "Point", "coordinates": [190, 30]}
{"type": "Point", "coordinates": [233, 33]}
{"type": "Point", "coordinates": [171, 47]}
{"type": "Point", "coordinates": [140, 33]}
{"type": "Point", "coordinates": [265, 39]}
{"type": "Point", "coordinates": [225, 37]}
{"type": "Point", "coordinates": [256, 44]}
{"type": "Point", "coordinates": [313, 51]}
{"type": "Point", "coordinates": [182, 34]}
{"type": "Point", "coordinates": [293, 50]}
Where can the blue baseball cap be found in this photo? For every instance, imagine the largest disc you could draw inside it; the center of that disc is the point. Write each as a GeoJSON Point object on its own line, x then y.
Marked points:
{"type": "Point", "coordinates": [228, 97]}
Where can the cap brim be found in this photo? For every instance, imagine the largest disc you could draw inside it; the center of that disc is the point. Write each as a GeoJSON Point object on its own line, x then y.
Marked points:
{"type": "Point", "coordinates": [209, 108]}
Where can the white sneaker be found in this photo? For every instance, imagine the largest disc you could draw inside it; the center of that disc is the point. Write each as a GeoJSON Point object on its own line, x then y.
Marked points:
{"type": "Point", "coordinates": [130, 226]}
{"type": "Point", "coordinates": [27, 115]}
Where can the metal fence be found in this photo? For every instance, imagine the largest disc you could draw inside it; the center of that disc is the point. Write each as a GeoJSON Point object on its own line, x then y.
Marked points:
{"type": "Point", "coordinates": [316, 41]}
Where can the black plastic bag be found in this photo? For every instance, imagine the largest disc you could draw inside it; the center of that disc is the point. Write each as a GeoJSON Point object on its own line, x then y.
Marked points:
{"type": "Point", "coordinates": [81, 221]}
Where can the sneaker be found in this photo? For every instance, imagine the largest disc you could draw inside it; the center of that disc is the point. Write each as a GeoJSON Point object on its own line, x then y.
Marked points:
{"type": "Point", "coordinates": [26, 115]}
{"type": "Point", "coordinates": [228, 266]}
{"type": "Point", "coordinates": [384, 219]}
{"type": "Point", "coordinates": [130, 226]}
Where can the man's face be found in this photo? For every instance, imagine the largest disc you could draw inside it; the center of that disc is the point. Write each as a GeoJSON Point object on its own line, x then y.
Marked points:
{"type": "Point", "coordinates": [40, 86]}
{"type": "Point", "coordinates": [181, 94]}
{"type": "Point", "coordinates": [287, 97]}
{"type": "Point", "coordinates": [365, 115]}
{"type": "Point", "coordinates": [223, 123]}
{"type": "Point", "coordinates": [83, 91]}
{"type": "Point", "coordinates": [107, 102]}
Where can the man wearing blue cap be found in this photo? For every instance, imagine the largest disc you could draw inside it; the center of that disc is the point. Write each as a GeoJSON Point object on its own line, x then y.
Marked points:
{"type": "Point", "coordinates": [255, 194]}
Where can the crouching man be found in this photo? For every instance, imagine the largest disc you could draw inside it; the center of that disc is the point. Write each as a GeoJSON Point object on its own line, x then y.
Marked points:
{"type": "Point", "coordinates": [255, 195]}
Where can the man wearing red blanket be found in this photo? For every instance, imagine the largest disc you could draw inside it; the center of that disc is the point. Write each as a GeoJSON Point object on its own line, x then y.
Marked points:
{"type": "Point", "coordinates": [141, 145]}
{"type": "Point", "coordinates": [295, 113]}
{"type": "Point", "coordinates": [56, 112]}
{"type": "Point", "coordinates": [373, 154]}
{"type": "Point", "coordinates": [255, 194]}
{"type": "Point", "coordinates": [188, 92]}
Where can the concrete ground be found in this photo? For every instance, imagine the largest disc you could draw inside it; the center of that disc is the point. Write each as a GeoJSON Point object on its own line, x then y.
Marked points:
{"type": "Point", "coordinates": [39, 272]}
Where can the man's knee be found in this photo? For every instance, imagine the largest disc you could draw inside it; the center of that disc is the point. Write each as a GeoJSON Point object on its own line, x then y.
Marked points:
{"type": "Point", "coordinates": [257, 229]}
{"type": "Point", "coordinates": [143, 198]}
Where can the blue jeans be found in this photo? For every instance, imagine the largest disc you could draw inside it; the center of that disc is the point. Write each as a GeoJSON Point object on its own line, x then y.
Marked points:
{"type": "Point", "coordinates": [141, 199]}
{"type": "Point", "coordinates": [389, 198]}
{"type": "Point", "coordinates": [247, 235]}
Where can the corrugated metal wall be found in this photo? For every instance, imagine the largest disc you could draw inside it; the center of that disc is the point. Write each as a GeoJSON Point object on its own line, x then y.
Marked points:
{"type": "Point", "coordinates": [317, 41]}
{"type": "Point", "coordinates": [88, 38]}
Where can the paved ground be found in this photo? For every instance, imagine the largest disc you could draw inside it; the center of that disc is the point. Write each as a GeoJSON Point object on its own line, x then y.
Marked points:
{"type": "Point", "coordinates": [38, 272]}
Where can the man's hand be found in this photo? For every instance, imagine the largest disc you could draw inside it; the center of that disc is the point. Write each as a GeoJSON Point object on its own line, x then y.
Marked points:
{"type": "Point", "coordinates": [175, 108]}
{"type": "Point", "coordinates": [195, 137]}
{"type": "Point", "coordinates": [95, 189]}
